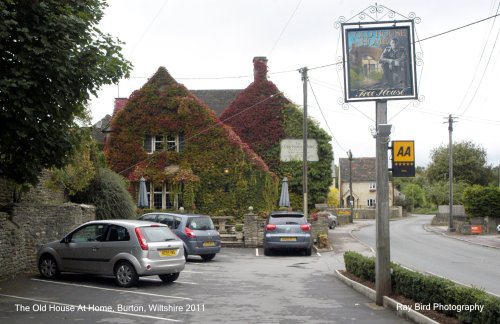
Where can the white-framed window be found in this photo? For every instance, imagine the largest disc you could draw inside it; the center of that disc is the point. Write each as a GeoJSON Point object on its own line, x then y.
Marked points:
{"type": "Point", "coordinates": [163, 196]}
{"type": "Point", "coordinates": [373, 186]}
{"type": "Point", "coordinates": [371, 202]}
{"type": "Point", "coordinates": [172, 142]}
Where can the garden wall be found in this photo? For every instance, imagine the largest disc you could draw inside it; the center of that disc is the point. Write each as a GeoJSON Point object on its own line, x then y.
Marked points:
{"type": "Point", "coordinates": [27, 226]}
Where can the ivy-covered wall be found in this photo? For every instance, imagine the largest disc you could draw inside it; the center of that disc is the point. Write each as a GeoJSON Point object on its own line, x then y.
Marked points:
{"type": "Point", "coordinates": [262, 117]}
{"type": "Point", "coordinates": [215, 172]}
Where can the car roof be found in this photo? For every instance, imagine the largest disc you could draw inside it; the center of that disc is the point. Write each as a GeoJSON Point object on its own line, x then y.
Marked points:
{"type": "Point", "coordinates": [176, 214]}
{"type": "Point", "coordinates": [123, 222]}
{"type": "Point", "coordinates": [285, 212]}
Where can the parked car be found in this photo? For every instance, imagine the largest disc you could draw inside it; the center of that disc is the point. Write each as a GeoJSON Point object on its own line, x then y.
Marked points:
{"type": "Point", "coordinates": [196, 231]}
{"type": "Point", "coordinates": [126, 249]}
{"type": "Point", "coordinates": [287, 230]}
{"type": "Point", "coordinates": [332, 220]}
{"type": "Point", "coordinates": [328, 215]}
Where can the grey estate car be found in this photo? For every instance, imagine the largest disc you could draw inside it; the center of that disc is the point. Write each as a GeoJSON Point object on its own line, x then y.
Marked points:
{"type": "Point", "coordinates": [196, 231]}
{"type": "Point", "coordinates": [126, 249]}
{"type": "Point", "coordinates": [286, 230]}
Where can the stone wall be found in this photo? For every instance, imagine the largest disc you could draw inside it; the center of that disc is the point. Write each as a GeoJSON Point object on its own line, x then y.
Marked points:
{"type": "Point", "coordinates": [27, 226]}
{"type": "Point", "coordinates": [253, 230]}
{"type": "Point", "coordinates": [369, 213]}
{"type": "Point", "coordinates": [39, 194]}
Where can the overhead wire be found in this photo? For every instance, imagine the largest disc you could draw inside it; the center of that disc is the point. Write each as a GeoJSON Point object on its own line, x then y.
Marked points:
{"type": "Point", "coordinates": [484, 71]}
{"type": "Point", "coordinates": [285, 27]}
{"type": "Point", "coordinates": [324, 118]}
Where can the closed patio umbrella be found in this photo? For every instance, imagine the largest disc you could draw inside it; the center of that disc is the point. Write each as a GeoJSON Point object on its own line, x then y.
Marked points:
{"type": "Point", "coordinates": [143, 195]}
{"type": "Point", "coordinates": [284, 197]}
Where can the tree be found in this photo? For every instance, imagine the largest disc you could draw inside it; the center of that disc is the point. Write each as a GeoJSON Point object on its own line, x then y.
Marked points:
{"type": "Point", "coordinates": [52, 57]}
{"type": "Point", "coordinates": [469, 164]}
{"type": "Point", "coordinates": [108, 192]}
{"type": "Point", "coordinates": [482, 201]}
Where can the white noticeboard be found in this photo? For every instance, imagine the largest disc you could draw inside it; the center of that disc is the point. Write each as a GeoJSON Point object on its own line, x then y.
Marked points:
{"type": "Point", "coordinates": [291, 150]}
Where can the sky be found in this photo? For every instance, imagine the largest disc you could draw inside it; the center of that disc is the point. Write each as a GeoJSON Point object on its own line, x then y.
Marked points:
{"type": "Point", "coordinates": [210, 44]}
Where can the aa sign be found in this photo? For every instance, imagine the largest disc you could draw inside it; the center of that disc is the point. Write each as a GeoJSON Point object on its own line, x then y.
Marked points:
{"type": "Point", "coordinates": [403, 158]}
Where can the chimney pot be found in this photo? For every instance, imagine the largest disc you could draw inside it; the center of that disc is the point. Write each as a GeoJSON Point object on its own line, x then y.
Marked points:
{"type": "Point", "coordinates": [260, 68]}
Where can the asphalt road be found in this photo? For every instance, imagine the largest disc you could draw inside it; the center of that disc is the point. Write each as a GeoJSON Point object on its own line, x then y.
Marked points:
{"type": "Point", "coordinates": [238, 286]}
{"type": "Point", "coordinates": [418, 249]}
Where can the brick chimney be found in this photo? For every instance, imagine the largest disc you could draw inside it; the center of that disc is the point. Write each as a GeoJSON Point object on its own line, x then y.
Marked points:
{"type": "Point", "coordinates": [119, 105]}
{"type": "Point", "coordinates": [260, 68]}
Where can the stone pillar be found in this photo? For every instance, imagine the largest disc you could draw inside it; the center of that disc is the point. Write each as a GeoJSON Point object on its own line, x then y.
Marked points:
{"type": "Point", "coordinates": [253, 229]}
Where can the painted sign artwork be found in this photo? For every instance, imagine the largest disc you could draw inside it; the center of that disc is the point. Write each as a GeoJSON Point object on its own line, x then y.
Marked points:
{"type": "Point", "coordinates": [379, 63]}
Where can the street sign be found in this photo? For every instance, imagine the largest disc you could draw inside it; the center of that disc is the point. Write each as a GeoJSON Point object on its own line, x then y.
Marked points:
{"type": "Point", "coordinates": [292, 150]}
{"type": "Point", "coordinates": [403, 158]}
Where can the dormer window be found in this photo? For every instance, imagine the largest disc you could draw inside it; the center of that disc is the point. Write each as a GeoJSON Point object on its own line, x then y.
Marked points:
{"type": "Point", "coordinates": [157, 143]}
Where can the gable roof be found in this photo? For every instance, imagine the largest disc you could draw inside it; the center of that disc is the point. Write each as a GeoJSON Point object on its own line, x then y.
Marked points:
{"type": "Point", "coordinates": [363, 169]}
{"type": "Point", "coordinates": [99, 128]}
{"type": "Point", "coordinates": [217, 100]}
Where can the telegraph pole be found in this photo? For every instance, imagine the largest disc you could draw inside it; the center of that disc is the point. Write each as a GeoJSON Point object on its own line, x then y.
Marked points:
{"type": "Point", "coordinates": [451, 120]}
{"type": "Point", "coordinates": [383, 247]}
{"type": "Point", "coordinates": [351, 199]}
{"type": "Point", "coordinates": [303, 71]}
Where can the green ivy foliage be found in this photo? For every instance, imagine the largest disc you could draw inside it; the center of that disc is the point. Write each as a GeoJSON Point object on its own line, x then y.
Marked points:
{"type": "Point", "coordinates": [262, 117]}
{"type": "Point", "coordinates": [162, 106]}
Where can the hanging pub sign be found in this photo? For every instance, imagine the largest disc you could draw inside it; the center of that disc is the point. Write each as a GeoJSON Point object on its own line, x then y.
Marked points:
{"type": "Point", "coordinates": [403, 158]}
{"type": "Point", "coordinates": [379, 61]}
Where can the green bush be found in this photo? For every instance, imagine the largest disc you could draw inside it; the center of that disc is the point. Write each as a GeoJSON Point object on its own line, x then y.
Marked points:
{"type": "Point", "coordinates": [432, 290]}
{"type": "Point", "coordinates": [108, 192]}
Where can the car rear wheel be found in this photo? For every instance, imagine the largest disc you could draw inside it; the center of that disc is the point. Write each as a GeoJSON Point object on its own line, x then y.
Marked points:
{"type": "Point", "coordinates": [48, 267]}
{"type": "Point", "coordinates": [267, 252]}
{"type": "Point", "coordinates": [208, 257]}
{"type": "Point", "coordinates": [308, 251]}
{"type": "Point", "coordinates": [125, 274]}
{"type": "Point", "coordinates": [171, 277]}
{"type": "Point", "coordinates": [333, 225]}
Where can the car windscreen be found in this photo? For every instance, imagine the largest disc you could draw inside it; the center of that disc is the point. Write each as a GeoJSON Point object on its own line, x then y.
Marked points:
{"type": "Point", "coordinates": [200, 223]}
{"type": "Point", "coordinates": [158, 234]}
{"type": "Point", "coordinates": [287, 219]}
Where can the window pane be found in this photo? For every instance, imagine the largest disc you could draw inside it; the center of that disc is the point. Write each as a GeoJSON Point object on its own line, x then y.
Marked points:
{"type": "Point", "coordinates": [158, 143]}
{"type": "Point", "coordinates": [171, 143]}
{"type": "Point", "coordinates": [167, 220]}
{"type": "Point", "coordinates": [147, 144]}
{"type": "Point", "coordinates": [89, 233]}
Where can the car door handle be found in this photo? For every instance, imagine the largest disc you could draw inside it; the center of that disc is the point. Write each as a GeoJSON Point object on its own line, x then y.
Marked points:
{"type": "Point", "coordinates": [94, 249]}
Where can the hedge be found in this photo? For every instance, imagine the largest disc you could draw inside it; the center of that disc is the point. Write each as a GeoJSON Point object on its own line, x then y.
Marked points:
{"type": "Point", "coordinates": [427, 289]}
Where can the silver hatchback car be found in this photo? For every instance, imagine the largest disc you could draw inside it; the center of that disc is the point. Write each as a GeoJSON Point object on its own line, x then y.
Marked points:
{"type": "Point", "coordinates": [126, 249]}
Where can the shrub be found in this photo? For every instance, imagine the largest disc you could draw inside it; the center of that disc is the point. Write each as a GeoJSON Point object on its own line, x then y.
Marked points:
{"type": "Point", "coordinates": [432, 290]}
{"type": "Point", "coordinates": [108, 192]}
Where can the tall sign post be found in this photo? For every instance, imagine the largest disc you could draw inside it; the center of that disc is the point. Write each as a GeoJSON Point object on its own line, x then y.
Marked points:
{"type": "Point", "coordinates": [303, 71]}
{"type": "Point", "coordinates": [379, 65]}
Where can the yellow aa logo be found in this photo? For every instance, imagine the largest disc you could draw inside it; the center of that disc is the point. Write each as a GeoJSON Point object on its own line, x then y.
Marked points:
{"type": "Point", "coordinates": [403, 151]}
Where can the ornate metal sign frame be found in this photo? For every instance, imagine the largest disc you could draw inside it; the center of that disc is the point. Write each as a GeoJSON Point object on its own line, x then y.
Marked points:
{"type": "Point", "coordinates": [379, 60]}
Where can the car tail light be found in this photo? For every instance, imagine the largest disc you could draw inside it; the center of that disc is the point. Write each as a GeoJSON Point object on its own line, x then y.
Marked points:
{"type": "Point", "coordinates": [189, 232]}
{"type": "Point", "coordinates": [305, 227]}
{"type": "Point", "coordinates": [270, 227]}
{"type": "Point", "coordinates": [142, 240]}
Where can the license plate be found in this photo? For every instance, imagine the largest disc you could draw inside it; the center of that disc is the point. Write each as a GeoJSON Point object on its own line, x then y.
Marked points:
{"type": "Point", "coordinates": [166, 253]}
{"type": "Point", "coordinates": [210, 243]}
{"type": "Point", "coordinates": [288, 239]}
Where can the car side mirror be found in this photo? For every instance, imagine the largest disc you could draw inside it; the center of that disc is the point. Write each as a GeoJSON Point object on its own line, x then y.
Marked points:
{"type": "Point", "coordinates": [65, 240]}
